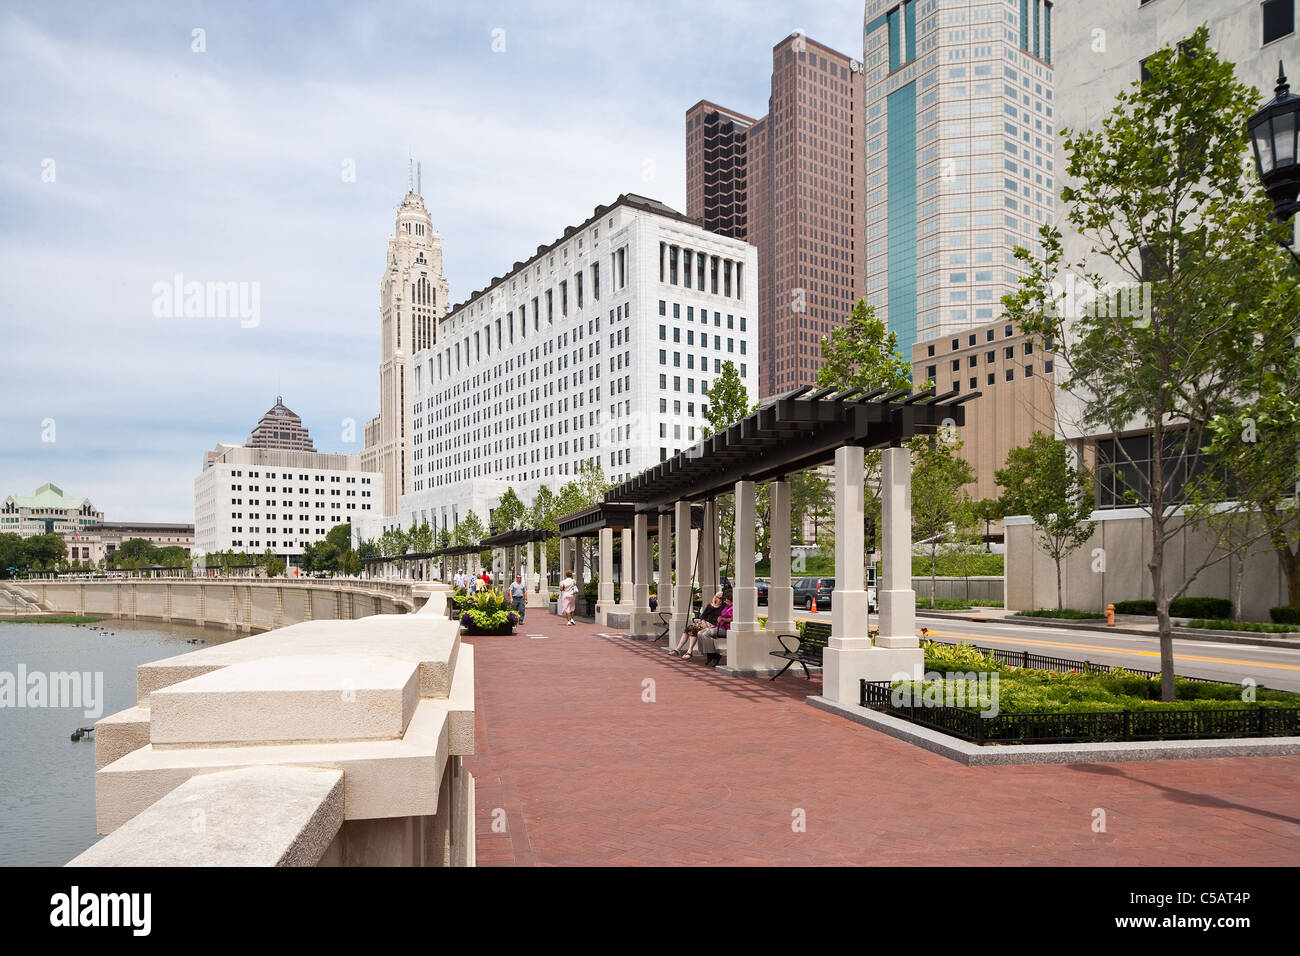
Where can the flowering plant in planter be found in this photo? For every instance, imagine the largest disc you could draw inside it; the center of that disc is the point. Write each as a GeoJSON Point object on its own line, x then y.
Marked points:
{"type": "Point", "coordinates": [488, 613]}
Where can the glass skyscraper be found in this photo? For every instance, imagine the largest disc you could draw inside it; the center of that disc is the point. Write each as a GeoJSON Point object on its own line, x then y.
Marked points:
{"type": "Point", "coordinates": [959, 129]}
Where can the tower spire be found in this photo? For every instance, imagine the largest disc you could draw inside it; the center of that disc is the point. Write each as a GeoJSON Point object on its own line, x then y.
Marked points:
{"type": "Point", "coordinates": [408, 172]}
{"type": "Point", "coordinates": [418, 188]}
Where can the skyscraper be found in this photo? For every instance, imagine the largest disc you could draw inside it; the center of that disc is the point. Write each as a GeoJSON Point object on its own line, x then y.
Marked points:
{"type": "Point", "coordinates": [790, 184]}
{"type": "Point", "coordinates": [959, 128]}
{"type": "Point", "coordinates": [413, 296]}
{"type": "Point", "coordinates": [281, 428]}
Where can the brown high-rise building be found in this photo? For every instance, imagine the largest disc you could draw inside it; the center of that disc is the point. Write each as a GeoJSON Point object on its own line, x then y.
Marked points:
{"type": "Point", "coordinates": [280, 428]}
{"type": "Point", "coordinates": [791, 184]}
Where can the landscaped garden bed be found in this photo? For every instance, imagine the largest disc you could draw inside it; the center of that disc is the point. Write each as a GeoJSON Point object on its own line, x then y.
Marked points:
{"type": "Point", "coordinates": [991, 696]}
{"type": "Point", "coordinates": [487, 614]}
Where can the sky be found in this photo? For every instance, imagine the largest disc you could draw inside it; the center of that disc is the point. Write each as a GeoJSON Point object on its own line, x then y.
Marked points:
{"type": "Point", "coordinates": [266, 144]}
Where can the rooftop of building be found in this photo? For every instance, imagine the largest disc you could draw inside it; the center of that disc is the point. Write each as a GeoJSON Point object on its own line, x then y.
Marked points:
{"type": "Point", "coordinates": [49, 496]}
{"type": "Point", "coordinates": [628, 200]}
{"type": "Point", "coordinates": [280, 427]}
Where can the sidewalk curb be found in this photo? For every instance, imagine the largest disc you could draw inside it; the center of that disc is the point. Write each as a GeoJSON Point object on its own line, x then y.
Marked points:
{"type": "Point", "coordinates": [1180, 633]}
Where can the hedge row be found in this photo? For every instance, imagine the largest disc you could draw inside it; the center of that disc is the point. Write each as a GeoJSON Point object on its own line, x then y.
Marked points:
{"type": "Point", "coordinates": [1287, 614]}
{"type": "Point", "coordinates": [1202, 607]}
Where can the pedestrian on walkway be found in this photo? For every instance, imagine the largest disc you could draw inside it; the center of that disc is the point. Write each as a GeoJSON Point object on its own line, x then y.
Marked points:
{"type": "Point", "coordinates": [517, 592]}
{"type": "Point", "coordinates": [568, 597]}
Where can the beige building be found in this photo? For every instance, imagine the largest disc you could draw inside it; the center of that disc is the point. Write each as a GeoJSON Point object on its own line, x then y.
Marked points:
{"type": "Point", "coordinates": [413, 296]}
{"type": "Point", "coordinates": [1015, 376]}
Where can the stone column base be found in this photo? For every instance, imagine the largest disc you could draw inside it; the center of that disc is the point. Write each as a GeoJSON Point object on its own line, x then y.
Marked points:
{"type": "Point", "coordinates": [645, 625]}
{"type": "Point", "coordinates": [849, 660]}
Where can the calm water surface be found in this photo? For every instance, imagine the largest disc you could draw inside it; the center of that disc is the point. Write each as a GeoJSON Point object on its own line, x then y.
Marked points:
{"type": "Point", "coordinates": [47, 786]}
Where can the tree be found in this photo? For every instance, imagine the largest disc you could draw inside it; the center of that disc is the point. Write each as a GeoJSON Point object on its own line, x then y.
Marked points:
{"type": "Point", "coordinates": [420, 539]}
{"type": "Point", "coordinates": [47, 549]}
{"type": "Point", "coordinates": [11, 554]}
{"type": "Point", "coordinates": [1040, 480]}
{"type": "Point", "coordinates": [469, 530]}
{"type": "Point", "coordinates": [728, 404]}
{"type": "Point", "coordinates": [1162, 195]}
{"type": "Point", "coordinates": [863, 353]}
{"type": "Point", "coordinates": [509, 513]}
{"type": "Point", "coordinates": [938, 473]}
{"type": "Point", "coordinates": [586, 489]}
{"type": "Point", "coordinates": [273, 563]}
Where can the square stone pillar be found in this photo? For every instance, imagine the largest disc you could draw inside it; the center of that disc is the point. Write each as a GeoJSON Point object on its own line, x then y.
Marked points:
{"type": "Point", "coordinates": [709, 553]}
{"type": "Point", "coordinates": [665, 563]}
{"type": "Point", "coordinates": [850, 656]}
{"type": "Point", "coordinates": [628, 574]}
{"type": "Point", "coordinates": [577, 561]}
{"type": "Point", "coordinates": [566, 558]}
{"type": "Point", "coordinates": [682, 590]}
{"type": "Point", "coordinates": [748, 646]}
{"type": "Point", "coordinates": [897, 599]}
{"type": "Point", "coordinates": [643, 622]}
{"type": "Point", "coordinates": [780, 593]}
{"type": "Point", "coordinates": [605, 589]}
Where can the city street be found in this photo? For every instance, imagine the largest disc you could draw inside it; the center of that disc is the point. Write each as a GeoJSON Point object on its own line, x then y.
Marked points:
{"type": "Point", "coordinates": [1276, 667]}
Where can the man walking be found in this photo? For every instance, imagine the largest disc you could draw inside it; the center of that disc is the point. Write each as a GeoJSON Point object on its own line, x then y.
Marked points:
{"type": "Point", "coordinates": [517, 593]}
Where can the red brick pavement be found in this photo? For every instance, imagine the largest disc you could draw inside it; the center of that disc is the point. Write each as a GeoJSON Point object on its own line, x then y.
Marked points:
{"type": "Point", "coordinates": [581, 770]}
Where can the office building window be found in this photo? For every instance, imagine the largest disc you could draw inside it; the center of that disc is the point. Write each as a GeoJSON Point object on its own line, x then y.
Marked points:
{"type": "Point", "coordinates": [1279, 19]}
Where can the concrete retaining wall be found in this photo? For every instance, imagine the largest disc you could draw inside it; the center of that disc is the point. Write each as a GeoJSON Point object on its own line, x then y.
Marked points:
{"type": "Point", "coordinates": [240, 605]}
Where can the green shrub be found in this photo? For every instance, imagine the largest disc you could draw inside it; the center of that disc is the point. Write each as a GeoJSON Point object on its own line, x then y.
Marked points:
{"type": "Point", "coordinates": [957, 657]}
{"type": "Point", "coordinates": [1203, 607]}
{"type": "Point", "coordinates": [943, 604]}
{"type": "Point", "coordinates": [1287, 614]}
{"type": "Point", "coordinates": [1254, 627]}
{"type": "Point", "coordinates": [1064, 614]}
{"type": "Point", "coordinates": [951, 566]}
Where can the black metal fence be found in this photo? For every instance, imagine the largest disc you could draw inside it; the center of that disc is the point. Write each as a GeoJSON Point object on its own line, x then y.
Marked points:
{"type": "Point", "coordinates": [1087, 727]}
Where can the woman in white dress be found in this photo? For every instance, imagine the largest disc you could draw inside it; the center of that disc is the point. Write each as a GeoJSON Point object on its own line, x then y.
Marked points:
{"type": "Point", "coordinates": [568, 597]}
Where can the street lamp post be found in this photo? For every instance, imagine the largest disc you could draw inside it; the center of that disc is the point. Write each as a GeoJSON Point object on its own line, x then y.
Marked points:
{"type": "Point", "coordinates": [1273, 132]}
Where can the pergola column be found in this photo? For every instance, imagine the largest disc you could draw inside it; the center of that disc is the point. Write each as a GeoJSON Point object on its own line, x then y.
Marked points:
{"type": "Point", "coordinates": [665, 563]}
{"type": "Point", "coordinates": [850, 656]}
{"type": "Point", "coordinates": [628, 575]}
{"type": "Point", "coordinates": [709, 552]}
{"type": "Point", "coordinates": [605, 589]}
{"type": "Point", "coordinates": [577, 557]}
{"type": "Point", "coordinates": [780, 593]}
{"type": "Point", "coordinates": [897, 600]}
{"type": "Point", "coordinates": [747, 644]}
{"type": "Point", "coordinates": [682, 557]}
{"type": "Point", "coordinates": [566, 559]}
{"type": "Point", "coordinates": [643, 621]}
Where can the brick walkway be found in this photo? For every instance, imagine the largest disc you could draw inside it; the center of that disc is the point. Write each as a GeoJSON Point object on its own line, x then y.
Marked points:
{"type": "Point", "coordinates": [715, 770]}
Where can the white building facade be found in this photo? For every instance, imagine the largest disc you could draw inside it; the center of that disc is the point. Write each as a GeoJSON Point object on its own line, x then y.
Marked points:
{"type": "Point", "coordinates": [252, 499]}
{"type": "Point", "coordinates": [959, 133]}
{"type": "Point", "coordinates": [597, 350]}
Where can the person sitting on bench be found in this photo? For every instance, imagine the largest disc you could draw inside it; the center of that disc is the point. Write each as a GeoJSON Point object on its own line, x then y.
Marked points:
{"type": "Point", "coordinates": [709, 637]}
{"type": "Point", "coordinates": [708, 618]}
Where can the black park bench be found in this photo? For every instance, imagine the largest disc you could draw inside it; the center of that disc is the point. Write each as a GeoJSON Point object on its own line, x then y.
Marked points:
{"type": "Point", "coordinates": [808, 650]}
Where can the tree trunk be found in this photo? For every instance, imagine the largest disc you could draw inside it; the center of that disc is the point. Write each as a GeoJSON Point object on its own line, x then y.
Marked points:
{"type": "Point", "coordinates": [1164, 626]}
{"type": "Point", "coordinates": [1060, 598]}
{"type": "Point", "coordinates": [934, 558]}
{"type": "Point", "coordinates": [1291, 571]}
{"type": "Point", "coordinates": [1237, 585]}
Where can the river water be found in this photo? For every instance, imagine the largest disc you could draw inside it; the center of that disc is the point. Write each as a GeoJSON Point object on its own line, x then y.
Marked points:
{"type": "Point", "coordinates": [47, 785]}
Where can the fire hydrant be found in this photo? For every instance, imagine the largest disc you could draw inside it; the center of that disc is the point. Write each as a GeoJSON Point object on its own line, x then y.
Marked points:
{"type": "Point", "coordinates": [1110, 615]}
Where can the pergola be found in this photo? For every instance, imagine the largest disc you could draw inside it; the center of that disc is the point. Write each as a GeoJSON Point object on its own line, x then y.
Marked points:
{"type": "Point", "coordinates": [600, 521]}
{"type": "Point", "coordinates": [509, 544]}
{"type": "Point", "coordinates": [787, 434]}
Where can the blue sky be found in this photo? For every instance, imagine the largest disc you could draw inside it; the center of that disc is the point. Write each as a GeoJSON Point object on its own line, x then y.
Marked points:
{"type": "Point", "coordinates": [227, 165]}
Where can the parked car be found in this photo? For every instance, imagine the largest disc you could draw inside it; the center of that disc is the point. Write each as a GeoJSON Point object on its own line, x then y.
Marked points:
{"type": "Point", "coordinates": [808, 589]}
{"type": "Point", "coordinates": [762, 585]}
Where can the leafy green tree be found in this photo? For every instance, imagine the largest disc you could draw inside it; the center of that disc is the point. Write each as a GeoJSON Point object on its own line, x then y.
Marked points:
{"type": "Point", "coordinates": [728, 404]}
{"type": "Point", "coordinates": [938, 474]}
{"type": "Point", "coordinates": [586, 489]}
{"type": "Point", "coordinates": [863, 353]}
{"type": "Point", "coordinates": [47, 549]}
{"type": "Point", "coordinates": [509, 513]}
{"type": "Point", "coordinates": [1040, 480]}
{"type": "Point", "coordinates": [1162, 193]}
{"type": "Point", "coordinates": [420, 539]}
{"type": "Point", "coordinates": [273, 563]}
{"type": "Point", "coordinates": [12, 559]}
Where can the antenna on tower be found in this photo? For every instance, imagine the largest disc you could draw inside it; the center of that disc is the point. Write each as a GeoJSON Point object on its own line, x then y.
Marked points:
{"type": "Point", "coordinates": [418, 187]}
{"type": "Point", "coordinates": [408, 172]}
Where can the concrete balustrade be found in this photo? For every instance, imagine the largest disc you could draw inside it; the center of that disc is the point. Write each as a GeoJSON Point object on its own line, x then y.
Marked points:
{"type": "Point", "coordinates": [319, 743]}
{"type": "Point", "coordinates": [249, 606]}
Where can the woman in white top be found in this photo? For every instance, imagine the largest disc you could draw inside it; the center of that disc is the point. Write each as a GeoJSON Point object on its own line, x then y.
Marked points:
{"type": "Point", "coordinates": [568, 597]}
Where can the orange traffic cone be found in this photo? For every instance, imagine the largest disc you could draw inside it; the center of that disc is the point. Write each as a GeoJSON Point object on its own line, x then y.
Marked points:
{"type": "Point", "coordinates": [813, 609]}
